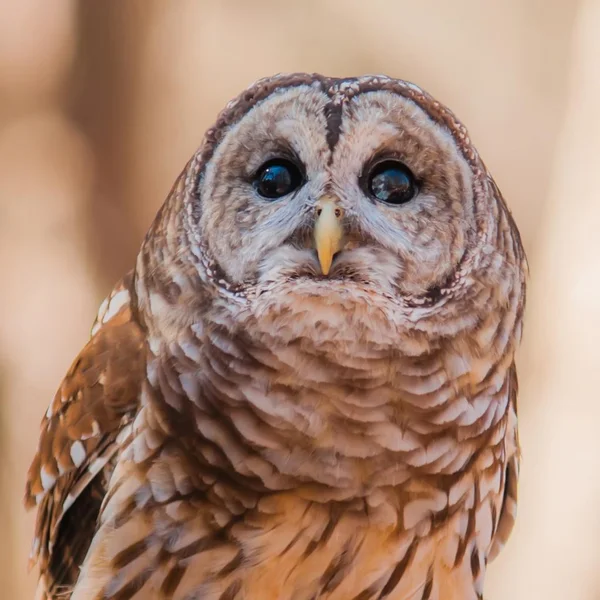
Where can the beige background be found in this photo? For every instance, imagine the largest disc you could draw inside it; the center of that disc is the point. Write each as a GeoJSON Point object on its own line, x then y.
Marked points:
{"type": "Point", "coordinates": [101, 104]}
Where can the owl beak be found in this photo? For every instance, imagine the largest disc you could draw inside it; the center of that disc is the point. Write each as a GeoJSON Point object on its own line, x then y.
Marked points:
{"type": "Point", "coordinates": [328, 231]}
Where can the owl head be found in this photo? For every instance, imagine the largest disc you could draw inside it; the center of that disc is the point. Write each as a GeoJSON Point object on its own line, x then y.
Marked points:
{"type": "Point", "coordinates": [348, 208]}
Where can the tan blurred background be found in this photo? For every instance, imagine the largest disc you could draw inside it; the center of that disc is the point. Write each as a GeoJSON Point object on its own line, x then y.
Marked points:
{"type": "Point", "coordinates": [101, 104]}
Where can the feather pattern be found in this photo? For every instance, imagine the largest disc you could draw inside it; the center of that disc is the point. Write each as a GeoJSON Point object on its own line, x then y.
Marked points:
{"type": "Point", "coordinates": [81, 436]}
{"type": "Point", "coordinates": [244, 425]}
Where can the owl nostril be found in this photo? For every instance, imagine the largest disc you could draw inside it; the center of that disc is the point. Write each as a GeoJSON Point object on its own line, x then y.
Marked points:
{"type": "Point", "coordinates": [337, 211]}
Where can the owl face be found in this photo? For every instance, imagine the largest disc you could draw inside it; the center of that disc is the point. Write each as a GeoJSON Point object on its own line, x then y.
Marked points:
{"type": "Point", "coordinates": [383, 200]}
{"type": "Point", "coordinates": [312, 192]}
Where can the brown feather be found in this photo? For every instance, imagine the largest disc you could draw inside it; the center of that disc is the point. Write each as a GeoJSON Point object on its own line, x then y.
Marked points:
{"type": "Point", "coordinates": [508, 511]}
{"type": "Point", "coordinates": [78, 442]}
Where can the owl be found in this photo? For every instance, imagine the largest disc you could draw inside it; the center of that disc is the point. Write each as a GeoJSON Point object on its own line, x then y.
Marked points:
{"type": "Point", "coordinates": [306, 387]}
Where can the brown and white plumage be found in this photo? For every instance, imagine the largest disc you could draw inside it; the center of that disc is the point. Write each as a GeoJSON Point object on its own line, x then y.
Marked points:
{"type": "Point", "coordinates": [312, 396]}
{"type": "Point", "coordinates": [81, 434]}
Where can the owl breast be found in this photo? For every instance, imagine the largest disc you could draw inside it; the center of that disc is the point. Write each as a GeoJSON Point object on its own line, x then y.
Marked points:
{"type": "Point", "coordinates": [228, 542]}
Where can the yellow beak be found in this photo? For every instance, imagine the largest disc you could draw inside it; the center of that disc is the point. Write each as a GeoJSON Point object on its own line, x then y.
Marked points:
{"type": "Point", "coordinates": [328, 232]}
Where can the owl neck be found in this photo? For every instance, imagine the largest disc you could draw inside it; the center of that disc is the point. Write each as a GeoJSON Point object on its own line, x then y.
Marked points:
{"type": "Point", "coordinates": [288, 415]}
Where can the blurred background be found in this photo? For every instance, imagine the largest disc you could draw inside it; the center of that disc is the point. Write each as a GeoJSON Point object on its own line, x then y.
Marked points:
{"type": "Point", "coordinates": [102, 103]}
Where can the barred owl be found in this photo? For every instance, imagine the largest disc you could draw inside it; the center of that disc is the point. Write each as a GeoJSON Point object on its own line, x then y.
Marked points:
{"type": "Point", "coordinates": [306, 386]}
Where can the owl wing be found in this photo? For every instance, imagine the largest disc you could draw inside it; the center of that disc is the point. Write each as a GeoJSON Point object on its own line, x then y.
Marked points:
{"type": "Point", "coordinates": [508, 512]}
{"type": "Point", "coordinates": [81, 434]}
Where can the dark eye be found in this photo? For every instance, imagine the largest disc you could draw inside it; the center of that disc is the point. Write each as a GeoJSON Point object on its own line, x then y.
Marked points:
{"type": "Point", "coordinates": [277, 178]}
{"type": "Point", "coordinates": [392, 182]}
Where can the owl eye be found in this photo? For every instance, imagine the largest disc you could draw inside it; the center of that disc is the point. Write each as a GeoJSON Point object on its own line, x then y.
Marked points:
{"type": "Point", "coordinates": [277, 178]}
{"type": "Point", "coordinates": [391, 182]}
